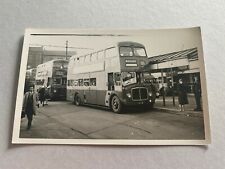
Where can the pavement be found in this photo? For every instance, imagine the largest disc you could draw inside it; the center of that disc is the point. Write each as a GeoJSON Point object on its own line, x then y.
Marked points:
{"type": "Point", "coordinates": [63, 120]}
{"type": "Point", "coordinates": [170, 108]}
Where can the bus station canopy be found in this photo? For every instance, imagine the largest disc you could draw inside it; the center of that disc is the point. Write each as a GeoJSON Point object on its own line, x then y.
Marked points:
{"type": "Point", "coordinates": [173, 60]}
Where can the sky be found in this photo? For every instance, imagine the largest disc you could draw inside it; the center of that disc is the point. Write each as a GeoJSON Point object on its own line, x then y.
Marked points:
{"type": "Point", "coordinates": [156, 42]}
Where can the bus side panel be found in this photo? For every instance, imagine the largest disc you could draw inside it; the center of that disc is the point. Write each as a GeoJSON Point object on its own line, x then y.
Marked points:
{"type": "Point", "coordinates": [70, 95]}
{"type": "Point", "coordinates": [101, 85]}
{"type": "Point", "coordinates": [101, 97]}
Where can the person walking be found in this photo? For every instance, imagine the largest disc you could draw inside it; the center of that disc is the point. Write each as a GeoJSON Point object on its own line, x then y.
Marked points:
{"type": "Point", "coordinates": [29, 105]}
{"type": "Point", "coordinates": [197, 92]}
{"type": "Point", "coordinates": [182, 94]}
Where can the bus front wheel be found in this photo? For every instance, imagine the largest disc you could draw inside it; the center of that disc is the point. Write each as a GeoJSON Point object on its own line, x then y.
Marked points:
{"type": "Point", "coordinates": [77, 100]}
{"type": "Point", "coordinates": [116, 104]}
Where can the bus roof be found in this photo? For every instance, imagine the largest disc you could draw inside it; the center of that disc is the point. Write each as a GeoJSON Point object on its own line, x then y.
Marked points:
{"type": "Point", "coordinates": [130, 43]}
{"type": "Point", "coordinates": [123, 43]}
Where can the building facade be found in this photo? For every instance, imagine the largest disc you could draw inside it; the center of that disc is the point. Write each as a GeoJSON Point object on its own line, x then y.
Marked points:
{"type": "Point", "coordinates": [169, 68]}
{"type": "Point", "coordinates": [39, 55]}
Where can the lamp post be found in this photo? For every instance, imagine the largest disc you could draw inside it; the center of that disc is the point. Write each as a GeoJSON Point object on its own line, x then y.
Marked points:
{"type": "Point", "coordinates": [66, 48]}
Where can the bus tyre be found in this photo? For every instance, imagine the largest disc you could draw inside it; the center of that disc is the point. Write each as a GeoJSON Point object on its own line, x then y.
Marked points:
{"type": "Point", "coordinates": [77, 100]}
{"type": "Point", "coordinates": [116, 104]}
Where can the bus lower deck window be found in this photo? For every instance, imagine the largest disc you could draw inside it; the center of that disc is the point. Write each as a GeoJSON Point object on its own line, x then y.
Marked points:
{"type": "Point", "coordinates": [80, 82]}
{"type": "Point", "coordinates": [93, 82]}
{"type": "Point", "coordinates": [86, 82]}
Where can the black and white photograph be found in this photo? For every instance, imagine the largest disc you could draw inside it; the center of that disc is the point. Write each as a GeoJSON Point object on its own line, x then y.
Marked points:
{"type": "Point", "coordinates": [117, 87]}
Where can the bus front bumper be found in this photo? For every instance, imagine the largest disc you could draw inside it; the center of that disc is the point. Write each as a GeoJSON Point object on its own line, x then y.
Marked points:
{"type": "Point", "coordinates": [130, 102]}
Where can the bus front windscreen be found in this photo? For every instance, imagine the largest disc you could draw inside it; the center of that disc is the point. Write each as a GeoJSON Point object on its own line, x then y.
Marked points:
{"type": "Point", "coordinates": [139, 51]}
{"type": "Point", "coordinates": [126, 51]}
{"type": "Point", "coordinates": [128, 78]}
{"type": "Point", "coordinates": [57, 81]}
{"type": "Point", "coordinates": [132, 51]}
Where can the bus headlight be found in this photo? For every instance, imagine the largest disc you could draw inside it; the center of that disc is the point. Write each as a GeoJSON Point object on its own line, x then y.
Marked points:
{"type": "Point", "coordinates": [54, 90]}
{"type": "Point", "coordinates": [128, 95]}
{"type": "Point", "coordinates": [150, 94]}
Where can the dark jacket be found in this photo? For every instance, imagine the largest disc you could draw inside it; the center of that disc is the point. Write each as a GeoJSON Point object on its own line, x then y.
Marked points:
{"type": "Point", "coordinates": [182, 94]}
{"type": "Point", "coordinates": [25, 103]}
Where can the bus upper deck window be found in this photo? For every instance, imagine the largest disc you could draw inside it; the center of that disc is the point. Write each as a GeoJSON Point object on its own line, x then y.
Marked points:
{"type": "Point", "coordinates": [111, 52]}
{"type": "Point", "coordinates": [100, 55]}
{"type": "Point", "coordinates": [126, 51]}
{"type": "Point", "coordinates": [139, 52]}
{"type": "Point", "coordinates": [94, 57]}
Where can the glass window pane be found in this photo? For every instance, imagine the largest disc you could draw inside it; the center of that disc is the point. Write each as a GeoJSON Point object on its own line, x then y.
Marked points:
{"type": "Point", "coordinates": [57, 80]}
{"type": "Point", "coordinates": [94, 57]}
{"type": "Point", "coordinates": [80, 82]}
{"type": "Point", "coordinates": [63, 81]}
{"type": "Point", "coordinates": [93, 82]}
{"type": "Point", "coordinates": [75, 83]}
{"type": "Point", "coordinates": [110, 52]}
{"type": "Point", "coordinates": [117, 78]}
{"type": "Point", "coordinates": [101, 55]}
{"type": "Point", "coordinates": [86, 82]}
{"type": "Point", "coordinates": [126, 51]}
{"type": "Point", "coordinates": [139, 52]}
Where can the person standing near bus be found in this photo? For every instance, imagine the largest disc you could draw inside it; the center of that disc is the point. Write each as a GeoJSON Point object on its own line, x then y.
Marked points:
{"type": "Point", "coordinates": [182, 94]}
{"type": "Point", "coordinates": [197, 92]}
{"type": "Point", "coordinates": [29, 105]}
{"type": "Point", "coordinates": [42, 95]}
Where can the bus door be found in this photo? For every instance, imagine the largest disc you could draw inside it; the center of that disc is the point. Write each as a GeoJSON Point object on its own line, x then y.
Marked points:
{"type": "Point", "coordinates": [110, 82]}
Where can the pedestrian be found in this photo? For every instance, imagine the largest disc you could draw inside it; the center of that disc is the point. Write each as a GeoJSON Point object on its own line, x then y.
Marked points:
{"type": "Point", "coordinates": [197, 92]}
{"type": "Point", "coordinates": [42, 95]}
{"type": "Point", "coordinates": [37, 96]}
{"type": "Point", "coordinates": [29, 105]}
{"type": "Point", "coordinates": [46, 95]}
{"type": "Point", "coordinates": [182, 94]}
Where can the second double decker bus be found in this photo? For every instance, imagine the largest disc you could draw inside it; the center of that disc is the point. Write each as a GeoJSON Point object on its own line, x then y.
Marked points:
{"type": "Point", "coordinates": [53, 76]}
{"type": "Point", "coordinates": [113, 77]}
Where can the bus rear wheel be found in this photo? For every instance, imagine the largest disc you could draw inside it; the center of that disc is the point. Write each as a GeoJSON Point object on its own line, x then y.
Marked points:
{"type": "Point", "coordinates": [77, 100]}
{"type": "Point", "coordinates": [116, 104]}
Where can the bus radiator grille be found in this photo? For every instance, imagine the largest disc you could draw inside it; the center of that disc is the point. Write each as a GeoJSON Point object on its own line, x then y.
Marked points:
{"type": "Point", "coordinates": [139, 94]}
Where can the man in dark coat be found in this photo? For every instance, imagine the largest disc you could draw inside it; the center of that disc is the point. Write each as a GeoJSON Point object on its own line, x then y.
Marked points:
{"type": "Point", "coordinates": [197, 92]}
{"type": "Point", "coordinates": [42, 95]}
{"type": "Point", "coordinates": [29, 105]}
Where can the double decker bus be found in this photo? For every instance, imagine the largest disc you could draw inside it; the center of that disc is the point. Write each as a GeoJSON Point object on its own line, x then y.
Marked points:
{"type": "Point", "coordinates": [113, 77]}
{"type": "Point", "coordinates": [53, 76]}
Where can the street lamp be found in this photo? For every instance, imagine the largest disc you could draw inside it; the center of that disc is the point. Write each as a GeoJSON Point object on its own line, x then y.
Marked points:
{"type": "Point", "coordinates": [66, 48]}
